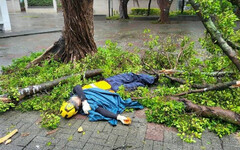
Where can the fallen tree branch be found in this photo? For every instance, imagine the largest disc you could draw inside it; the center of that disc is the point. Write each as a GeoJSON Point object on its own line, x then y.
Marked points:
{"type": "Point", "coordinates": [219, 86]}
{"type": "Point", "coordinates": [181, 81]}
{"type": "Point", "coordinates": [216, 34]}
{"type": "Point", "coordinates": [210, 112]}
{"type": "Point", "coordinates": [204, 111]}
{"type": "Point", "coordinates": [28, 91]}
{"type": "Point", "coordinates": [233, 45]}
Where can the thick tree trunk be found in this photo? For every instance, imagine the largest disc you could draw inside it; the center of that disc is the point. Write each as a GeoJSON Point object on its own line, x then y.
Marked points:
{"type": "Point", "coordinates": [210, 112]}
{"type": "Point", "coordinates": [31, 90]}
{"type": "Point", "coordinates": [78, 33]}
{"type": "Point", "coordinates": [216, 35]}
{"type": "Point", "coordinates": [123, 9]}
{"type": "Point", "coordinates": [77, 40]}
{"type": "Point", "coordinates": [164, 6]}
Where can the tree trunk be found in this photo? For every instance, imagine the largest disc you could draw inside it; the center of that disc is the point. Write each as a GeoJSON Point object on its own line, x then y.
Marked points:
{"type": "Point", "coordinates": [31, 90]}
{"type": "Point", "coordinates": [77, 40]}
{"type": "Point", "coordinates": [123, 9]}
{"type": "Point", "coordinates": [212, 112]}
{"type": "Point", "coordinates": [136, 2]}
{"type": "Point", "coordinates": [216, 36]}
{"type": "Point", "coordinates": [164, 6]}
{"type": "Point", "coordinates": [149, 7]}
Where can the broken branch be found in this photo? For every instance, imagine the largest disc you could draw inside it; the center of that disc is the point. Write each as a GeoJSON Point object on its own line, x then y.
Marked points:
{"type": "Point", "coordinates": [210, 112]}
{"type": "Point", "coordinates": [28, 91]}
{"type": "Point", "coordinates": [219, 86]}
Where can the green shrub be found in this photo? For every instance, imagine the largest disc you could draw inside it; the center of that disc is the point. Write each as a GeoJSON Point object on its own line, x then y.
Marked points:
{"type": "Point", "coordinates": [50, 120]}
{"type": "Point", "coordinates": [143, 11]}
{"type": "Point", "coordinates": [40, 3]}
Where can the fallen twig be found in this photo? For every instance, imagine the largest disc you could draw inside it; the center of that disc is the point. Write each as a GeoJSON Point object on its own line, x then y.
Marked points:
{"type": "Point", "coordinates": [219, 86]}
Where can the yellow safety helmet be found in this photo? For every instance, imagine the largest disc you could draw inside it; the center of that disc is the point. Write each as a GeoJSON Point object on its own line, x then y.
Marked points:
{"type": "Point", "coordinates": [68, 109]}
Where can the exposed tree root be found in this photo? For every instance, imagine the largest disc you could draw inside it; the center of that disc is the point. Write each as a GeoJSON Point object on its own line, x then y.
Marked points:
{"type": "Point", "coordinates": [55, 51]}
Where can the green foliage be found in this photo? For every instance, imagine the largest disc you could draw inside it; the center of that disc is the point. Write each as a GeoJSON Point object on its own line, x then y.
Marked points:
{"type": "Point", "coordinates": [40, 3]}
{"type": "Point", "coordinates": [112, 59]}
{"type": "Point", "coordinates": [144, 11]}
{"type": "Point", "coordinates": [160, 53]}
{"type": "Point", "coordinates": [186, 12]}
{"type": "Point", "coordinates": [50, 120]}
{"type": "Point", "coordinates": [5, 106]}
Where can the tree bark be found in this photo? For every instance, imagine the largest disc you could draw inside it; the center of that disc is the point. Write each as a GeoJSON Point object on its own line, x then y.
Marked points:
{"type": "Point", "coordinates": [31, 90]}
{"type": "Point", "coordinates": [77, 40]}
{"type": "Point", "coordinates": [216, 35]}
{"type": "Point", "coordinates": [210, 112]}
{"type": "Point", "coordinates": [149, 7]}
{"type": "Point", "coordinates": [123, 9]}
{"type": "Point", "coordinates": [220, 86]}
{"type": "Point", "coordinates": [78, 33]}
{"type": "Point", "coordinates": [164, 6]}
{"type": "Point", "coordinates": [136, 2]}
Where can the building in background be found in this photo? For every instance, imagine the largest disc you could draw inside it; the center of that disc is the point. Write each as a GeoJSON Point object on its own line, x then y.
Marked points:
{"type": "Point", "coordinates": [5, 24]}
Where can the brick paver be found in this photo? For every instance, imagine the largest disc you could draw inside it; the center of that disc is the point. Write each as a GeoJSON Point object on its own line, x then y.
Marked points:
{"type": "Point", "coordinates": [140, 135]}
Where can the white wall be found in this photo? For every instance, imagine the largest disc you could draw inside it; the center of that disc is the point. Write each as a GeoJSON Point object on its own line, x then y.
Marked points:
{"type": "Point", "coordinates": [13, 6]}
{"type": "Point", "coordinates": [4, 16]}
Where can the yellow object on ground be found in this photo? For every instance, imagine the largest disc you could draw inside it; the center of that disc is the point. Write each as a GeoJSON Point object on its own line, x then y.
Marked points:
{"type": "Point", "coordinates": [128, 121]}
{"type": "Point", "coordinates": [3, 139]}
{"type": "Point", "coordinates": [8, 141]}
{"type": "Point", "coordinates": [80, 129]}
{"type": "Point", "coordinates": [67, 110]}
{"type": "Point", "coordinates": [101, 85]}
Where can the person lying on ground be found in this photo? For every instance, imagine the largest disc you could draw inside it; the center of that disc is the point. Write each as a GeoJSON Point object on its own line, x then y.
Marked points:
{"type": "Point", "coordinates": [99, 100]}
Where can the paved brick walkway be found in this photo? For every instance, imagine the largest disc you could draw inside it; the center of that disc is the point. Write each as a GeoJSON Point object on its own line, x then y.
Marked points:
{"type": "Point", "coordinates": [140, 135]}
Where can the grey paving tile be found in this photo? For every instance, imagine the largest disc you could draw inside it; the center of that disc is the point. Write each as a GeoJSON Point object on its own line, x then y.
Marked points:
{"type": "Point", "coordinates": [120, 141]}
{"type": "Point", "coordinates": [111, 140]}
{"type": "Point", "coordinates": [23, 141]}
{"type": "Point", "coordinates": [97, 141]}
{"type": "Point", "coordinates": [35, 145]}
{"type": "Point", "coordinates": [88, 146]}
{"type": "Point", "coordinates": [10, 147]}
{"type": "Point", "coordinates": [148, 145]}
{"type": "Point", "coordinates": [76, 144]}
{"type": "Point", "coordinates": [108, 128]}
{"type": "Point", "coordinates": [167, 137]}
{"type": "Point", "coordinates": [157, 145]}
{"type": "Point", "coordinates": [98, 134]}
{"type": "Point", "coordinates": [84, 136]}
{"type": "Point", "coordinates": [101, 125]}
{"type": "Point", "coordinates": [169, 146]}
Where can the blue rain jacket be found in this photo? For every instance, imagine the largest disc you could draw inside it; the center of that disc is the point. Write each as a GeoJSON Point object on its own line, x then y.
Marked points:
{"type": "Point", "coordinates": [130, 81]}
{"type": "Point", "coordinates": [111, 101]}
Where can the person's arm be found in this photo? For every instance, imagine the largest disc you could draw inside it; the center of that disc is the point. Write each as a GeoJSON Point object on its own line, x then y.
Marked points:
{"type": "Point", "coordinates": [109, 114]}
{"type": "Point", "coordinates": [79, 92]}
{"type": "Point", "coordinates": [106, 113]}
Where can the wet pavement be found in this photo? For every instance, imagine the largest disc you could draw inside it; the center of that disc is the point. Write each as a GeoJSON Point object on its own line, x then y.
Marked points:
{"type": "Point", "coordinates": [97, 135]}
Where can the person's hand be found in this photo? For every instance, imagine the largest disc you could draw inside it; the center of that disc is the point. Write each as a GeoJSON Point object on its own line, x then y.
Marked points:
{"type": "Point", "coordinates": [86, 107]}
{"type": "Point", "coordinates": [123, 119]}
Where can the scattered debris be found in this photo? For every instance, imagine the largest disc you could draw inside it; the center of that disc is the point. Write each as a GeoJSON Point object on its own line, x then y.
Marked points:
{"type": "Point", "coordinates": [80, 129]}
{"type": "Point", "coordinates": [52, 131]}
{"type": "Point", "coordinates": [25, 134]}
{"type": "Point", "coordinates": [8, 141]}
{"type": "Point", "coordinates": [3, 139]}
